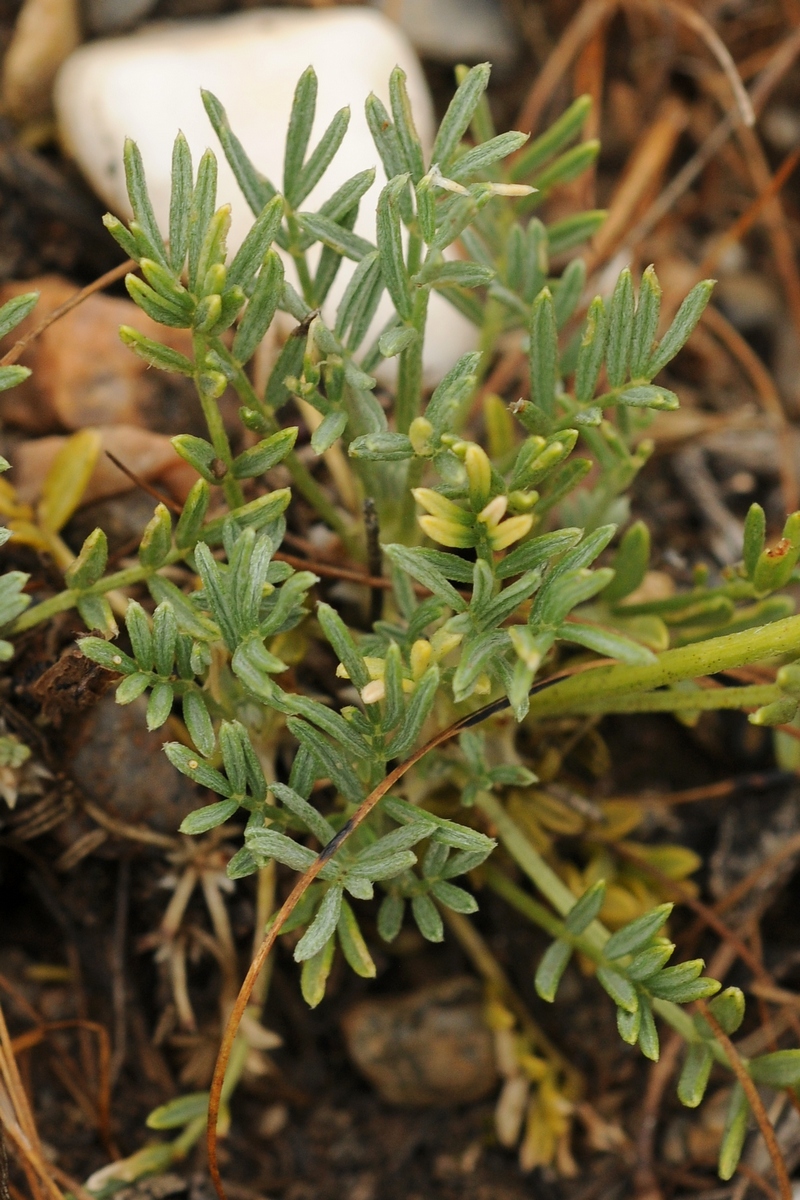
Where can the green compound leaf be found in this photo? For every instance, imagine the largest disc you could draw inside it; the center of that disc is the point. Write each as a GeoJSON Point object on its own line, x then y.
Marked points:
{"type": "Point", "coordinates": [551, 968]}
{"type": "Point", "coordinates": [455, 898]}
{"type": "Point", "coordinates": [734, 1134]}
{"type": "Point", "coordinates": [315, 972]}
{"type": "Point", "coordinates": [322, 927]}
{"type": "Point", "coordinates": [159, 706]}
{"type": "Point", "coordinates": [620, 330]}
{"type": "Point", "coordinates": [619, 988]}
{"type": "Point", "coordinates": [209, 817]}
{"type": "Point", "coordinates": [544, 352]}
{"type": "Point", "coordinates": [390, 247]}
{"type": "Point", "coordinates": [427, 917]}
{"type": "Point", "coordinates": [645, 323]}
{"type": "Point", "coordinates": [15, 310]}
{"type": "Point", "coordinates": [634, 935]}
{"type": "Point", "coordinates": [648, 1034]}
{"type": "Point", "coordinates": [629, 1025]}
{"type": "Point", "coordinates": [755, 528]}
{"type": "Point", "coordinates": [728, 1008]}
{"type": "Point", "coordinates": [178, 1112]}
{"type": "Point", "coordinates": [138, 627]}
{"type": "Point", "coordinates": [647, 395]}
{"type": "Point", "coordinates": [686, 318]}
{"type": "Point", "coordinates": [585, 910]}
{"type": "Point", "coordinates": [779, 1069]}
{"type": "Point", "coordinates": [390, 916]}
{"type": "Point", "coordinates": [132, 688]}
{"type": "Point", "coordinates": [198, 723]}
{"type": "Point", "coordinates": [196, 769]}
{"type": "Point", "coordinates": [694, 1076]}
{"type": "Point", "coordinates": [650, 961]}
{"type": "Point", "coordinates": [353, 945]}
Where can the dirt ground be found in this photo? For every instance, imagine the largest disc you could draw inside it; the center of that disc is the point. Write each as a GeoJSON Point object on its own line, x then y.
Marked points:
{"type": "Point", "coordinates": [80, 901]}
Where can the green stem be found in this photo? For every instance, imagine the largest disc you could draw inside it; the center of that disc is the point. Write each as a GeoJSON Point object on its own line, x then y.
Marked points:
{"type": "Point", "coordinates": [602, 686]}
{"type": "Point", "coordinates": [302, 478]}
{"type": "Point", "coordinates": [499, 882]}
{"type": "Point", "coordinates": [694, 701]}
{"type": "Point", "coordinates": [409, 376]}
{"type": "Point", "coordinates": [534, 866]}
{"type": "Point", "coordinates": [301, 265]}
{"type": "Point", "coordinates": [216, 429]}
{"type": "Point", "coordinates": [69, 598]}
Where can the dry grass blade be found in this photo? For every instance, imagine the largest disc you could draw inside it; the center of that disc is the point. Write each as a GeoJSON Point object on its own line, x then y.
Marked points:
{"type": "Point", "coordinates": [767, 393]}
{"type": "Point", "coordinates": [698, 23]}
{"type": "Point", "coordinates": [18, 1122]}
{"type": "Point", "coordinates": [769, 78]}
{"type": "Point", "coordinates": [582, 26]}
{"type": "Point", "coordinates": [749, 217]}
{"type": "Point", "coordinates": [642, 174]}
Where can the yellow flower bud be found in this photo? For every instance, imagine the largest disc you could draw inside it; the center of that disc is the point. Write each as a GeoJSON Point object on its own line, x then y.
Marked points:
{"type": "Point", "coordinates": [494, 511]}
{"type": "Point", "coordinates": [421, 654]}
{"type": "Point", "coordinates": [497, 1016]}
{"type": "Point", "coordinates": [535, 1068]}
{"type": "Point", "coordinates": [443, 642]}
{"type": "Point", "coordinates": [448, 533]}
{"type": "Point", "coordinates": [499, 426]}
{"type": "Point", "coordinates": [522, 641]}
{"type": "Point", "coordinates": [420, 433]}
{"type": "Point", "coordinates": [439, 506]}
{"type": "Point", "coordinates": [376, 667]}
{"type": "Point", "coordinates": [479, 475]}
{"type": "Point", "coordinates": [522, 501]}
{"type": "Point", "coordinates": [483, 685]}
{"type": "Point", "coordinates": [512, 189]}
{"type": "Point", "coordinates": [510, 531]}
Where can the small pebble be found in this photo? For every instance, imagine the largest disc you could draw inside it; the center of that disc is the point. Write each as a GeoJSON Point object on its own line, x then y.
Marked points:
{"type": "Point", "coordinates": [122, 518]}
{"type": "Point", "coordinates": [273, 1120]}
{"type": "Point", "coordinates": [456, 31]}
{"type": "Point", "coordinates": [781, 125]}
{"type": "Point", "coordinates": [748, 300]}
{"type": "Point", "coordinates": [430, 1047]}
{"type": "Point", "coordinates": [150, 456]}
{"type": "Point", "coordinates": [121, 766]}
{"type": "Point", "coordinates": [45, 33]}
{"type": "Point", "coordinates": [147, 86]}
{"type": "Point", "coordinates": [84, 375]}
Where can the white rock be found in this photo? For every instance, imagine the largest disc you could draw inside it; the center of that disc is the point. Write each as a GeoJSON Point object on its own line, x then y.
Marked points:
{"type": "Point", "coordinates": [46, 32]}
{"type": "Point", "coordinates": [456, 31]}
{"type": "Point", "coordinates": [147, 86]}
{"type": "Point", "coordinates": [115, 16]}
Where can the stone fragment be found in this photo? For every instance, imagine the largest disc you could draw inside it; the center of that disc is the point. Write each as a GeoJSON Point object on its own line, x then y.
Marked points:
{"type": "Point", "coordinates": [147, 86]}
{"type": "Point", "coordinates": [84, 375]}
{"type": "Point", "coordinates": [430, 1047]}
{"type": "Point", "coordinates": [150, 456]}
{"type": "Point", "coordinates": [750, 302]}
{"type": "Point", "coordinates": [456, 31]}
{"type": "Point", "coordinates": [46, 32]}
{"type": "Point", "coordinates": [121, 766]}
{"type": "Point", "coordinates": [122, 518]}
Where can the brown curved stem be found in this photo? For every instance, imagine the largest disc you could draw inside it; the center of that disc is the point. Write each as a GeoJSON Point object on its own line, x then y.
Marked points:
{"type": "Point", "coordinates": [288, 906]}
{"type": "Point", "coordinates": [754, 1100]}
